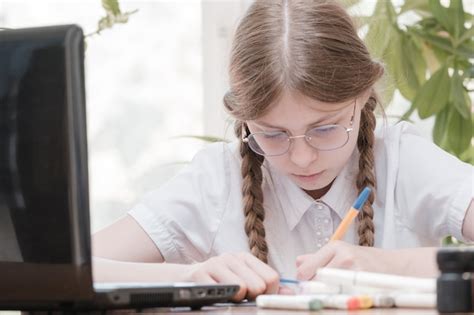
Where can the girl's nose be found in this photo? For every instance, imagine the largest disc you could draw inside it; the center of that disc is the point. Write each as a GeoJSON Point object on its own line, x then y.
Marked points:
{"type": "Point", "coordinates": [301, 153]}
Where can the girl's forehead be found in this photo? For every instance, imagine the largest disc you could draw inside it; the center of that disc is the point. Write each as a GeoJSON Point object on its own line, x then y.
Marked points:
{"type": "Point", "coordinates": [298, 100]}
{"type": "Point", "coordinates": [293, 108]}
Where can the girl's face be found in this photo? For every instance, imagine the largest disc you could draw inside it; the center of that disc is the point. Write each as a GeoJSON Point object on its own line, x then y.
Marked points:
{"type": "Point", "coordinates": [311, 169]}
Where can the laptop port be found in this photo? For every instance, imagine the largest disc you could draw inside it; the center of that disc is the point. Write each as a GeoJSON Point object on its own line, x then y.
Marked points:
{"type": "Point", "coordinates": [184, 294]}
{"type": "Point", "coordinates": [220, 292]}
{"type": "Point", "coordinates": [211, 292]}
{"type": "Point", "coordinates": [200, 293]}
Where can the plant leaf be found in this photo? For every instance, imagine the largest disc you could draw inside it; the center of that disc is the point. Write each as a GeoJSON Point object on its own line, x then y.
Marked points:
{"type": "Point", "coordinates": [402, 57]}
{"type": "Point", "coordinates": [387, 88]}
{"type": "Point", "coordinates": [361, 20]}
{"type": "Point", "coordinates": [349, 3]}
{"type": "Point", "coordinates": [414, 54]}
{"type": "Point", "coordinates": [433, 95]}
{"type": "Point", "coordinates": [407, 80]}
{"type": "Point", "coordinates": [456, 95]}
{"type": "Point", "coordinates": [390, 12]}
{"type": "Point", "coordinates": [441, 55]}
{"type": "Point", "coordinates": [439, 128]}
{"type": "Point", "coordinates": [420, 5]}
{"type": "Point", "coordinates": [442, 15]}
{"type": "Point", "coordinates": [469, 34]}
{"type": "Point", "coordinates": [111, 7]}
{"type": "Point", "coordinates": [465, 50]}
{"type": "Point", "coordinates": [104, 23]}
{"type": "Point", "coordinates": [430, 24]}
{"type": "Point", "coordinates": [406, 116]}
{"type": "Point", "coordinates": [429, 56]}
{"type": "Point", "coordinates": [459, 132]}
{"type": "Point", "coordinates": [468, 155]}
{"type": "Point", "coordinates": [469, 72]}
{"type": "Point", "coordinates": [438, 41]}
{"type": "Point", "coordinates": [380, 31]}
{"type": "Point", "coordinates": [457, 14]}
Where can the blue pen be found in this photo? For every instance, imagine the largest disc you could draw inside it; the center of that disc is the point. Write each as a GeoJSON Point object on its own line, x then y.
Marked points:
{"type": "Point", "coordinates": [288, 281]}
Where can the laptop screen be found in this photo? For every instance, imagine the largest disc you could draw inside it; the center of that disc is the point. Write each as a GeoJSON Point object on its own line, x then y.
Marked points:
{"type": "Point", "coordinates": [44, 213]}
{"type": "Point", "coordinates": [33, 153]}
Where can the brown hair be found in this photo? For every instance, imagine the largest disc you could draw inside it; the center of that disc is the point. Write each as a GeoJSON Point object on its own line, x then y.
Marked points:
{"type": "Point", "coordinates": [311, 47]}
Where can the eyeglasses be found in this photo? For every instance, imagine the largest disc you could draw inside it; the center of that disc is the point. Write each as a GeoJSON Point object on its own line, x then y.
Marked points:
{"type": "Point", "coordinates": [323, 138]}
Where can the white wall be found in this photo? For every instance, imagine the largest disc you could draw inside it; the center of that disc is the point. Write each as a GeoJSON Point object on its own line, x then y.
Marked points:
{"type": "Point", "coordinates": [143, 85]}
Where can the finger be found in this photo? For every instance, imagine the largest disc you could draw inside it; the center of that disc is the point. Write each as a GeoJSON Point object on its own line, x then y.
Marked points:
{"type": "Point", "coordinates": [286, 290]}
{"type": "Point", "coordinates": [267, 273]}
{"type": "Point", "coordinates": [255, 283]}
{"type": "Point", "coordinates": [205, 278]}
{"type": "Point", "coordinates": [310, 263]}
{"type": "Point", "coordinates": [340, 263]}
{"type": "Point", "coordinates": [300, 259]}
{"type": "Point", "coordinates": [222, 274]}
{"type": "Point", "coordinates": [343, 259]}
{"type": "Point", "coordinates": [321, 257]}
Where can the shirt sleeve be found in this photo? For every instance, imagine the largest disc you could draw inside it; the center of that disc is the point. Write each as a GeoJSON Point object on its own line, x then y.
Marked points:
{"type": "Point", "coordinates": [433, 188]}
{"type": "Point", "coordinates": [183, 216]}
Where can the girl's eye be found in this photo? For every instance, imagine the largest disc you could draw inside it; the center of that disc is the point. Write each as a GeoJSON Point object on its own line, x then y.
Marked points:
{"type": "Point", "coordinates": [323, 130]}
{"type": "Point", "coordinates": [274, 135]}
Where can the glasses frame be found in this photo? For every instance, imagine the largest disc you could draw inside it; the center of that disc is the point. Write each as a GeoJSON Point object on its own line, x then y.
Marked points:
{"type": "Point", "coordinates": [245, 137]}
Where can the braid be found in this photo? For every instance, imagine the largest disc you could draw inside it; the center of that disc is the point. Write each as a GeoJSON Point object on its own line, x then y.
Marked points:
{"type": "Point", "coordinates": [366, 176]}
{"type": "Point", "coordinates": [253, 198]}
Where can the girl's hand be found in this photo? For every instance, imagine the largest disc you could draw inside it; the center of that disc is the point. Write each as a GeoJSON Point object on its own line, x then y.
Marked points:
{"type": "Point", "coordinates": [252, 275]}
{"type": "Point", "coordinates": [338, 254]}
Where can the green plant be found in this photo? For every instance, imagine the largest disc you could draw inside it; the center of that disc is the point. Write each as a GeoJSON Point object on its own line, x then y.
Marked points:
{"type": "Point", "coordinates": [430, 62]}
{"type": "Point", "coordinates": [113, 16]}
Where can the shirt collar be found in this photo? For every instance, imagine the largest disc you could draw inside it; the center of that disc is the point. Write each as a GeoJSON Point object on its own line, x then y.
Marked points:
{"type": "Point", "coordinates": [343, 191]}
{"type": "Point", "coordinates": [295, 202]}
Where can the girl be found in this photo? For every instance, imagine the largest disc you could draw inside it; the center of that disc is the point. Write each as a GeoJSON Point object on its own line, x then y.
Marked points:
{"type": "Point", "coordinates": [302, 95]}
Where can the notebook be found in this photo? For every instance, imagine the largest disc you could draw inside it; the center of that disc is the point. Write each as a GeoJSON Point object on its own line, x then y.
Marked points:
{"type": "Point", "coordinates": [45, 250]}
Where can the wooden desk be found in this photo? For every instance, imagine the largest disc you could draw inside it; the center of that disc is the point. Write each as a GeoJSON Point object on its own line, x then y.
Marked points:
{"type": "Point", "coordinates": [250, 309]}
{"type": "Point", "coordinates": [245, 309]}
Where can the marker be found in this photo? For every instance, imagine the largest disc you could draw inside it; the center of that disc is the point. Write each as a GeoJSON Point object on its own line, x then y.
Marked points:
{"type": "Point", "coordinates": [365, 301]}
{"type": "Point", "coordinates": [289, 302]}
{"type": "Point", "coordinates": [344, 301]}
{"type": "Point", "coordinates": [346, 277]}
{"type": "Point", "coordinates": [351, 214]}
{"type": "Point", "coordinates": [382, 300]}
{"type": "Point", "coordinates": [417, 300]}
{"type": "Point", "coordinates": [318, 287]}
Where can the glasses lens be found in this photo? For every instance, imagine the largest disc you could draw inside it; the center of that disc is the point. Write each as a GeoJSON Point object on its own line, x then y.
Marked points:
{"type": "Point", "coordinates": [269, 143]}
{"type": "Point", "coordinates": [328, 137]}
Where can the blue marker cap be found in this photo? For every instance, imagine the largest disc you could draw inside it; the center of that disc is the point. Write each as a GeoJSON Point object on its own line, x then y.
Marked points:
{"type": "Point", "coordinates": [362, 198]}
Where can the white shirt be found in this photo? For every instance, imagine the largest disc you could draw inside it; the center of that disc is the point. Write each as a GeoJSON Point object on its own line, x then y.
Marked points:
{"type": "Point", "coordinates": [422, 195]}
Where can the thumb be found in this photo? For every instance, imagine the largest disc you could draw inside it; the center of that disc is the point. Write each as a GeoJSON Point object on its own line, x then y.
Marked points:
{"type": "Point", "coordinates": [308, 264]}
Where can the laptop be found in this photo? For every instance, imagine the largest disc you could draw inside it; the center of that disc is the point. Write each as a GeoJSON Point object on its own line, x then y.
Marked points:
{"type": "Point", "coordinates": [45, 250]}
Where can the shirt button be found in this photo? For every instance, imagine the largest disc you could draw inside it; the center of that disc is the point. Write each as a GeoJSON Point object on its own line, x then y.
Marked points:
{"type": "Point", "coordinates": [326, 221]}
{"type": "Point", "coordinates": [319, 245]}
{"type": "Point", "coordinates": [319, 206]}
{"type": "Point", "coordinates": [318, 233]}
{"type": "Point", "coordinates": [326, 239]}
